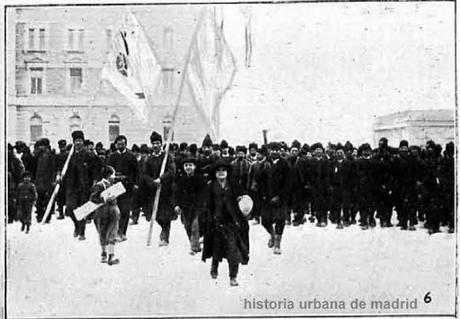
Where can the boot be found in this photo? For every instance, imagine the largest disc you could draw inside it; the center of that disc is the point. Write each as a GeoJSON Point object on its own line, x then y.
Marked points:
{"type": "Point", "coordinates": [233, 282]}
{"type": "Point", "coordinates": [23, 227]}
{"type": "Point", "coordinates": [112, 260]}
{"type": "Point", "coordinates": [214, 272]}
{"type": "Point", "coordinates": [277, 249]}
{"type": "Point", "coordinates": [81, 237]}
{"type": "Point", "coordinates": [27, 229]}
{"type": "Point", "coordinates": [104, 257]}
{"type": "Point", "coordinates": [271, 241]}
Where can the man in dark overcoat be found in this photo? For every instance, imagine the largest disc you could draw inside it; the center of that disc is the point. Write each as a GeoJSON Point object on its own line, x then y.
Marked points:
{"type": "Point", "coordinates": [279, 175]}
{"type": "Point", "coordinates": [45, 177]}
{"type": "Point", "coordinates": [126, 167]}
{"type": "Point", "coordinates": [78, 181]}
{"type": "Point", "coordinates": [152, 180]}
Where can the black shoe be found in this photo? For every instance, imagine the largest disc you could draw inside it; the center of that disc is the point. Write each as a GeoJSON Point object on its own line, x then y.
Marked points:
{"type": "Point", "coordinates": [60, 216]}
{"type": "Point", "coordinates": [412, 228]}
{"type": "Point", "coordinates": [23, 227]}
{"type": "Point", "coordinates": [233, 282]}
{"type": "Point", "coordinates": [403, 227]}
{"type": "Point", "coordinates": [81, 237]}
{"type": "Point", "coordinates": [214, 272]}
{"type": "Point", "coordinates": [27, 229]}
{"type": "Point", "coordinates": [339, 225]}
{"type": "Point", "coordinates": [112, 260]}
{"type": "Point", "coordinates": [104, 257]}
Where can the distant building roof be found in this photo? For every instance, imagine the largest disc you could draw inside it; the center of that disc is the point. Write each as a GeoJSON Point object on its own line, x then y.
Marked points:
{"type": "Point", "coordinates": [414, 117]}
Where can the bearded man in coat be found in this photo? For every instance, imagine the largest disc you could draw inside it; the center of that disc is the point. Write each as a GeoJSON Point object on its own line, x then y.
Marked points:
{"type": "Point", "coordinates": [125, 164]}
{"type": "Point", "coordinates": [152, 180]}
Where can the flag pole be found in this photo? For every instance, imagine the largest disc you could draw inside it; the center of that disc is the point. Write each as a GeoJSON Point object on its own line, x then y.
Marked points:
{"type": "Point", "coordinates": [57, 187]}
{"type": "Point", "coordinates": [66, 164]}
{"type": "Point", "coordinates": [171, 130]}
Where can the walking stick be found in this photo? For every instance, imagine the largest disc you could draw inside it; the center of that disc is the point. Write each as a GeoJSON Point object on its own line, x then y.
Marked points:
{"type": "Point", "coordinates": [57, 187]}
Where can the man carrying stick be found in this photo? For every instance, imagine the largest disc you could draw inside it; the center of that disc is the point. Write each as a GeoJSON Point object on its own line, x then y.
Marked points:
{"type": "Point", "coordinates": [153, 179]}
{"type": "Point", "coordinates": [78, 181]}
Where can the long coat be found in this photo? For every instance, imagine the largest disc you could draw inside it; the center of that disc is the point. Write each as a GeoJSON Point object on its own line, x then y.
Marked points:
{"type": "Point", "coordinates": [125, 164]}
{"type": "Point", "coordinates": [78, 179]}
{"type": "Point", "coordinates": [226, 229]}
{"type": "Point", "coordinates": [45, 174]}
{"type": "Point", "coordinates": [188, 190]}
{"type": "Point", "coordinates": [279, 175]}
{"type": "Point", "coordinates": [166, 204]}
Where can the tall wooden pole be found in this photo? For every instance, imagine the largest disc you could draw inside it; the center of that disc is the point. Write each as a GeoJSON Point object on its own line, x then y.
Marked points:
{"type": "Point", "coordinates": [58, 186]}
{"type": "Point", "coordinates": [171, 130]}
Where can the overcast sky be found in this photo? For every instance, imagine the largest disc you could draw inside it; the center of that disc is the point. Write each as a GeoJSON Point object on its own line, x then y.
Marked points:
{"type": "Point", "coordinates": [323, 71]}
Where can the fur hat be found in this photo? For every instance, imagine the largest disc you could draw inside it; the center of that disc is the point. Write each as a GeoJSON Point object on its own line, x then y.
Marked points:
{"type": "Point", "coordinates": [403, 143]}
{"type": "Point", "coordinates": [317, 145]}
{"type": "Point", "coordinates": [155, 137]}
{"type": "Point", "coordinates": [78, 135]}
{"type": "Point", "coordinates": [274, 146]}
{"type": "Point", "coordinates": [223, 144]}
{"type": "Point", "coordinates": [295, 144]}
{"type": "Point", "coordinates": [241, 148]}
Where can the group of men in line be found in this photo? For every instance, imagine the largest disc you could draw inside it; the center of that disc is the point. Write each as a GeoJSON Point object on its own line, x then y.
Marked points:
{"type": "Point", "coordinates": [285, 182]}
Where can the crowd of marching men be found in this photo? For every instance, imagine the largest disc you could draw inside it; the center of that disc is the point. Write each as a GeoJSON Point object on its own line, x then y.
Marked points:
{"type": "Point", "coordinates": [203, 185]}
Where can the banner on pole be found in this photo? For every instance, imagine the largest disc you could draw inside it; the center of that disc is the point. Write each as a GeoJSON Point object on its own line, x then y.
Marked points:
{"type": "Point", "coordinates": [132, 67]}
{"type": "Point", "coordinates": [211, 69]}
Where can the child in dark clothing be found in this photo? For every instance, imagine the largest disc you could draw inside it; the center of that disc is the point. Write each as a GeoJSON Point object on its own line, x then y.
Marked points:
{"type": "Point", "coordinates": [107, 216]}
{"type": "Point", "coordinates": [27, 196]}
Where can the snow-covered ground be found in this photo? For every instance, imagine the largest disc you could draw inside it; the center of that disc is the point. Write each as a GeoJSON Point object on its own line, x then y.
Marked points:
{"type": "Point", "coordinates": [50, 273]}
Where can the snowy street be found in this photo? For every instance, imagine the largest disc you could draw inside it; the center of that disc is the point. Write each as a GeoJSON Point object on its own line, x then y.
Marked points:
{"type": "Point", "coordinates": [50, 273]}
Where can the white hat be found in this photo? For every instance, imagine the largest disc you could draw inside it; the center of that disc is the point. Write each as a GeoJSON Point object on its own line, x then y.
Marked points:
{"type": "Point", "coordinates": [245, 204]}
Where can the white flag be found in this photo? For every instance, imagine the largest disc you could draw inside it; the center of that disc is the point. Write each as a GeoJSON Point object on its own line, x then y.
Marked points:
{"type": "Point", "coordinates": [132, 67]}
{"type": "Point", "coordinates": [211, 68]}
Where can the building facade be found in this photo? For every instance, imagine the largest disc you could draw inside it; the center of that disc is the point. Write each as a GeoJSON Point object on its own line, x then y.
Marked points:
{"type": "Point", "coordinates": [417, 127]}
{"type": "Point", "coordinates": [54, 60]}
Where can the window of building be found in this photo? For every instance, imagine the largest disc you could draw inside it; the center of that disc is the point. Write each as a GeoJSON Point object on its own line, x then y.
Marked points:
{"type": "Point", "coordinates": [114, 127]}
{"type": "Point", "coordinates": [75, 39]}
{"type": "Point", "coordinates": [168, 79]}
{"type": "Point", "coordinates": [75, 123]}
{"type": "Point", "coordinates": [108, 35]}
{"type": "Point", "coordinates": [36, 128]}
{"type": "Point", "coordinates": [168, 38]}
{"type": "Point", "coordinates": [76, 79]}
{"type": "Point", "coordinates": [36, 39]}
{"type": "Point", "coordinates": [36, 80]}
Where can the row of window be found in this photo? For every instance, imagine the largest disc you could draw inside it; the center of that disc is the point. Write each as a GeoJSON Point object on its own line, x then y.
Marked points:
{"type": "Point", "coordinates": [36, 39]}
{"type": "Point", "coordinates": [36, 126]}
{"type": "Point", "coordinates": [37, 77]}
{"type": "Point", "coordinates": [75, 76]}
